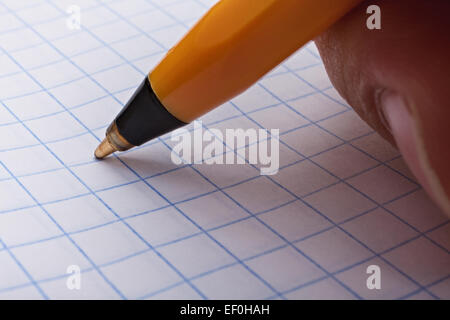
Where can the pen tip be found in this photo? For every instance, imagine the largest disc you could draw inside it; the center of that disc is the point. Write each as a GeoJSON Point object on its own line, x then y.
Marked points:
{"type": "Point", "coordinates": [104, 149]}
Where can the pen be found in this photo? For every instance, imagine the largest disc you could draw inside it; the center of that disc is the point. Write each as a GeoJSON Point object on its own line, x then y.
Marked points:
{"type": "Point", "coordinates": [232, 46]}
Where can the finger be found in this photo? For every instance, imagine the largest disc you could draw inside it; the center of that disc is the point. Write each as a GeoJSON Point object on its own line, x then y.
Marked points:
{"type": "Point", "coordinates": [402, 72]}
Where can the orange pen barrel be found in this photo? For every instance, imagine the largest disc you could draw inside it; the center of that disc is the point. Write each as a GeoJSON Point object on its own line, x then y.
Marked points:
{"type": "Point", "coordinates": [228, 50]}
{"type": "Point", "coordinates": [234, 45]}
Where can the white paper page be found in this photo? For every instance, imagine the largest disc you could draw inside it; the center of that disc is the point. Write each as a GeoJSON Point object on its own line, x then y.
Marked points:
{"type": "Point", "coordinates": [139, 226]}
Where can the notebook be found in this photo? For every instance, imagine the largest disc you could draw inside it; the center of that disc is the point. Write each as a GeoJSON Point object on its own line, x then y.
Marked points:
{"type": "Point", "coordinates": [343, 218]}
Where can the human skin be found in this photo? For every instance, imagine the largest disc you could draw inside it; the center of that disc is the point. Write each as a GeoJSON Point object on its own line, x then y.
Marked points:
{"type": "Point", "coordinates": [397, 79]}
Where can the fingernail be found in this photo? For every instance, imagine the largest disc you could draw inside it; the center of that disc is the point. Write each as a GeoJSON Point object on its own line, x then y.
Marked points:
{"type": "Point", "coordinates": [406, 133]}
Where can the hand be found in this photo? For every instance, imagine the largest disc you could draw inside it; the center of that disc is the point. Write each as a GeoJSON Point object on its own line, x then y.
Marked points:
{"type": "Point", "coordinates": [398, 80]}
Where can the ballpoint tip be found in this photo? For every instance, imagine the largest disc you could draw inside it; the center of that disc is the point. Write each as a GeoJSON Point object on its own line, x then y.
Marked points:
{"type": "Point", "coordinates": [104, 149]}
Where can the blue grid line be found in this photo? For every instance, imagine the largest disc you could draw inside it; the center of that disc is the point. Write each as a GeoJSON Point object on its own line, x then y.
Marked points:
{"type": "Point", "coordinates": [122, 90]}
{"type": "Point", "coordinates": [186, 216]}
{"type": "Point", "coordinates": [64, 15]}
{"type": "Point", "coordinates": [145, 181]}
{"type": "Point", "coordinates": [268, 285]}
{"type": "Point", "coordinates": [31, 6]}
{"type": "Point", "coordinates": [24, 27]}
{"type": "Point", "coordinates": [183, 166]}
{"type": "Point", "coordinates": [132, 87]}
{"type": "Point", "coordinates": [210, 229]}
{"type": "Point", "coordinates": [246, 259]}
{"type": "Point", "coordinates": [90, 190]}
{"type": "Point", "coordinates": [252, 257]}
{"type": "Point", "coordinates": [427, 286]}
{"type": "Point", "coordinates": [345, 142]}
{"type": "Point", "coordinates": [336, 136]}
{"type": "Point", "coordinates": [60, 227]}
{"type": "Point", "coordinates": [319, 278]}
{"type": "Point", "coordinates": [54, 97]}
{"type": "Point", "coordinates": [329, 172]}
{"type": "Point", "coordinates": [360, 262]}
{"type": "Point", "coordinates": [136, 174]}
{"type": "Point", "coordinates": [355, 189]}
{"type": "Point", "coordinates": [24, 270]}
{"type": "Point", "coordinates": [317, 124]}
{"type": "Point", "coordinates": [182, 201]}
{"type": "Point", "coordinates": [268, 226]}
{"type": "Point", "coordinates": [317, 90]}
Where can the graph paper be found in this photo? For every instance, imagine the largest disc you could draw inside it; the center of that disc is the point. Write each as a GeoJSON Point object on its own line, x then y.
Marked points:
{"type": "Point", "coordinates": [140, 227]}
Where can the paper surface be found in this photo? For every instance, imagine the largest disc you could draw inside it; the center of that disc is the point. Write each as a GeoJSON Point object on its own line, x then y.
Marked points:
{"type": "Point", "coordinates": [139, 226]}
